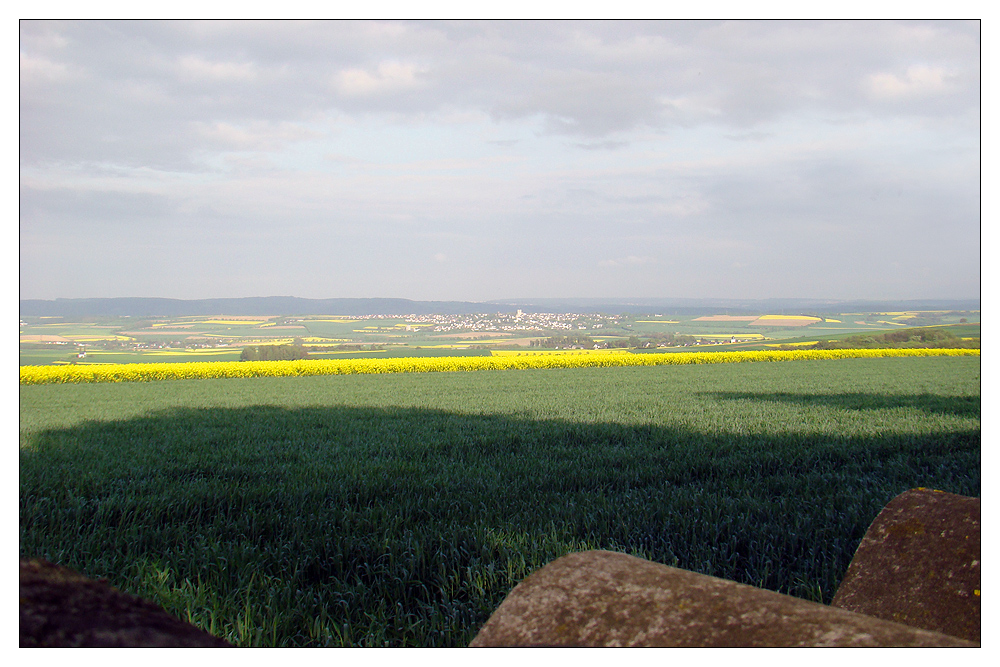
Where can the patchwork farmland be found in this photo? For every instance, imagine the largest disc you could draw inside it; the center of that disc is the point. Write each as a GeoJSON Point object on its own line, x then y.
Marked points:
{"type": "Point", "coordinates": [52, 340]}
{"type": "Point", "coordinates": [354, 498]}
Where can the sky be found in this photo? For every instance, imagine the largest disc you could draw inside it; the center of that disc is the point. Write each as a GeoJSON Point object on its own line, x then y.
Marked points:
{"type": "Point", "coordinates": [480, 161]}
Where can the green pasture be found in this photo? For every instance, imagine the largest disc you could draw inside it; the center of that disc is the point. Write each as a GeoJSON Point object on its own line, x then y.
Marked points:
{"type": "Point", "coordinates": [400, 352]}
{"type": "Point", "coordinates": [37, 356]}
{"type": "Point", "coordinates": [849, 324]}
{"type": "Point", "coordinates": [233, 329]}
{"type": "Point", "coordinates": [690, 327]}
{"type": "Point", "coordinates": [399, 510]}
{"type": "Point", "coordinates": [972, 330]}
{"type": "Point", "coordinates": [325, 329]}
{"type": "Point", "coordinates": [59, 328]}
{"type": "Point", "coordinates": [808, 334]}
{"type": "Point", "coordinates": [178, 355]}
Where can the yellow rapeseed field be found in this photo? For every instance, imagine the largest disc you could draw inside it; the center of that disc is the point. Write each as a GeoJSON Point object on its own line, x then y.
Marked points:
{"type": "Point", "coordinates": [549, 353]}
{"type": "Point", "coordinates": [246, 369]}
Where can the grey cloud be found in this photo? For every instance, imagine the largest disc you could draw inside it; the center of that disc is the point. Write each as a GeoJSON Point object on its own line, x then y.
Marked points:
{"type": "Point", "coordinates": [749, 136]}
{"type": "Point", "coordinates": [768, 68]}
{"type": "Point", "coordinates": [714, 156]}
{"type": "Point", "coordinates": [842, 227]}
{"type": "Point", "coordinates": [608, 145]}
{"type": "Point", "coordinates": [582, 103]}
{"type": "Point", "coordinates": [143, 92]}
{"type": "Point", "coordinates": [630, 261]}
{"type": "Point", "coordinates": [64, 208]}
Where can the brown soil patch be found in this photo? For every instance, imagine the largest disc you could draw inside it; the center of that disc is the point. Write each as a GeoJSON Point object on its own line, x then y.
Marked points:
{"type": "Point", "coordinates": [524, 342]}
{"type": "Point", "coordinates": [726, 318]}
{"type": "Point", "coordinates": [35, 338]}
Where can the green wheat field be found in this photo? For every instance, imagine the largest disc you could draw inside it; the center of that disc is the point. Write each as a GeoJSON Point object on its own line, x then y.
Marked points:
{"type": "Point", "coordinates": [400, 510]}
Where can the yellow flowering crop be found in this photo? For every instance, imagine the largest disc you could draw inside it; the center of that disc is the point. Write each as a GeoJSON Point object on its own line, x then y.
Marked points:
{"type": "Point", "coordinates": [245, 369]}
{"type": "Point", "coordinates": [527, 353]}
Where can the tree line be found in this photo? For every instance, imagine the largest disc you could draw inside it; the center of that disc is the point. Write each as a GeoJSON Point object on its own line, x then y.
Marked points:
{"type": "Point", "coordinates": [274, 353]}
{"type": "Point", "coordinates": [633, 342]}
{"type": "Point", "coordinates": [904, 338]}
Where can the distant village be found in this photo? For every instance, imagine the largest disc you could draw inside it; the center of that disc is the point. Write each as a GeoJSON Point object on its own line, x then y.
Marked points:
{"type": "Point", "coordinates": [509, 322]}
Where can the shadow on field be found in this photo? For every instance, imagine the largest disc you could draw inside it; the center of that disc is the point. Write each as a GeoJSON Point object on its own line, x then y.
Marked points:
{"type": "Point", "coordinates": [962, 406]}
{"type": "Point", "coordinates": [399, 526]}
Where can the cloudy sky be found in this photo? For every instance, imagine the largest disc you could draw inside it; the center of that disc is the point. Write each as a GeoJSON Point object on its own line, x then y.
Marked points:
{"type": "Point", "coordinates": [478, 161]}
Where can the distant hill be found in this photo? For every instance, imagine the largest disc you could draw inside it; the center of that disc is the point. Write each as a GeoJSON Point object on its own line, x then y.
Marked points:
{"type": "Point", "coordinates": [267, 305]}
{"type": "Point", "coordinates": [290, 305]}
{"type": "Point", "coordinates": [737, 306]}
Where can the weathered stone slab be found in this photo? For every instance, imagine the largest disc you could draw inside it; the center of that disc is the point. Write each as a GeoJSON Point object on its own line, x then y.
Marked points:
{"type": "Point", "coordinates": [600, 598]}
{"type": "Point", "coordinates": [919, 564]}
{"type": "Point", "coordinates": [62, 608]}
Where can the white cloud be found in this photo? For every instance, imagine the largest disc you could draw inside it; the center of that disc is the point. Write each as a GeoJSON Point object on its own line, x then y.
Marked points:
{"type": "Point", "coordinates": [388, 77]}
{"type": "Point", "coordinates": [631, 260]}
{"type": "Point", "coordinates": [691, 108]}
{"type": "Point", "coordinates": [35, 68]}
{"type": "Point", "coordinates": [260, 136]}
{"type": "Point", "coordinates": [919, 81]}
{"type": "Point", "coordinates": [198, 68]}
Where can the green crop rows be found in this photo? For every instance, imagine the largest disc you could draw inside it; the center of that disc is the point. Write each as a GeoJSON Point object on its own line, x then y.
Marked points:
{"type": "Point", "coordinates": [399, 510]}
